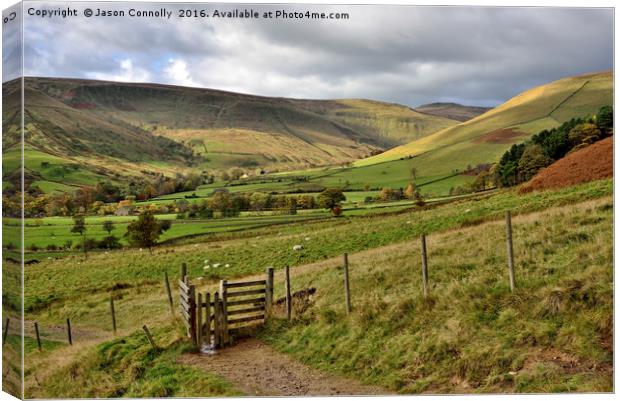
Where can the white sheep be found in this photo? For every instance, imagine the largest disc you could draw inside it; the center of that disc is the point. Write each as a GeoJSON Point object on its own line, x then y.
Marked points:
{"type": "Point", "coordinates": [297, 247]}
{"type": "Point", "coordinates": [216, 265]}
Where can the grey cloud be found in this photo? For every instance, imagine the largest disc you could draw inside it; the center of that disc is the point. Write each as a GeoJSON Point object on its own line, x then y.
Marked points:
{"type": "Point", "coordinates": [403, 54]}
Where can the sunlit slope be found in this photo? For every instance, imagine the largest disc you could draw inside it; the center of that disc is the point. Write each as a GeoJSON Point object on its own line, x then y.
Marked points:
{"type": "Point", "coordinates": [236, 130]}
{"type": "Point", "coordinates": [484, 138]}
{"type": "Point", "coordinates": [392, 124]}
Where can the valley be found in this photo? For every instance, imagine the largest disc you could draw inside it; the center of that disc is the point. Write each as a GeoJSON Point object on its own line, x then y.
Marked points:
{"type": "Point", "coordinates": [126, 183]}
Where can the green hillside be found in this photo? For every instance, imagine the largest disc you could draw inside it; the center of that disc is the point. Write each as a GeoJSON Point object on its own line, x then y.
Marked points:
{"type": "Point", "coordinates": [128, 124]}
{"type": "Point", "coordinates": [438, 158]}
{"type": "Point", "coordinates": [486, 137]}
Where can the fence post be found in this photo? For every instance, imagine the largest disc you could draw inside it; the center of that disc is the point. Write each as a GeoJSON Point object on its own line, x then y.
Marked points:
{"type": "Point", "coordinates": [511, 267]}
{"type": "Point", "coordinates": [149, 337]}
{"type": "Point", "coordinates": [216, 320]}
{"type": "Point", "coordinates": [69, 332]}
{"type": "Point", "coordinates": [183, 271]}
{"type": "Point", "coordinates": [424, 266]}
{"type": "Point", "coordinates": [6, 330]}
{"type": "Point", "coordinates": [199, 321]}
{"type": "Point", "coordinates": [223, 300]}
{"type": "Point", "coordinates": [113, 314]}
{"type": "Point", "coordinates": [347, 292]}
{"type": "Point", "coordinates": [269, 293]}
{"type": "Point", "coordinates": [167, 282]}
{"type": "Point", "coordinates": [208, 317]}
{"type": "Point", "coordinates": [287, 285]}
{"type": "Point", "coordinates": [36, 332]}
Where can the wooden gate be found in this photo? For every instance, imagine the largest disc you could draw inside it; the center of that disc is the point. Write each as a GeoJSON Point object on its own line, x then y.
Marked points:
{"type": "Point", "coordinates": [235, 310]}
{"type": "Point", "coordinates": [187, 303]}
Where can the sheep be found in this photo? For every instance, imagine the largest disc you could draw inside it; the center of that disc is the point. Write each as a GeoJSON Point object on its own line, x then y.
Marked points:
{"type": "Point", "coordinates": [297, 247]}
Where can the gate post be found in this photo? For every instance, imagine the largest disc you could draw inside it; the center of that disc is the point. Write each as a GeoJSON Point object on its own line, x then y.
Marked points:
{"type": "Point", "coordinates": [269, 293]}
{"type": "Point", "coordinates": [217, 337]}
{"type": "Point", "coordinates": [223, 291]}
{"type": "Point", "coordinates": [199, 321]}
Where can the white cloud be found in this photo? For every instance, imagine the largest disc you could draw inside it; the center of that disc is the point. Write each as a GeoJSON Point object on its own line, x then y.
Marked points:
{"type": "Point", "coordinates": [126, 72]}
{"type": "Point", "coordinates": [176, 73]}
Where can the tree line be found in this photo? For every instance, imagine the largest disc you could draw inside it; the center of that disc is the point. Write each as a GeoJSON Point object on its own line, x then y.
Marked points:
{"type": "Point", "coordinates": [522, 161]}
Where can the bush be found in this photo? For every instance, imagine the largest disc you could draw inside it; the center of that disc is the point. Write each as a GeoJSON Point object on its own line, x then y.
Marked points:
{"type": "Point", "coordinates": [91, 243]}
{"type": "Point", "coordinates": [51, 247]}
{"type": "Point", "coordinates": [33, 247]}
{"type": "Point", "coordinates": [110, 242]}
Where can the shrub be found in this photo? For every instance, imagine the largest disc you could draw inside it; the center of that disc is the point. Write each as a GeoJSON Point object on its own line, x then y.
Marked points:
{"type": "Point", "coordinates": [110, 242]}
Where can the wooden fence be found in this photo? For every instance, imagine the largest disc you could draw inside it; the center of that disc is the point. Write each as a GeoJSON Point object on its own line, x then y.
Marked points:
{"type": "Point", "coordinates": [236, 309]}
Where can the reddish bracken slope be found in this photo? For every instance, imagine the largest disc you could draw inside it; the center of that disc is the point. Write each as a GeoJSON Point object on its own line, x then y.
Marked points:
{"type": "Point", "coordinates": [594, 162]}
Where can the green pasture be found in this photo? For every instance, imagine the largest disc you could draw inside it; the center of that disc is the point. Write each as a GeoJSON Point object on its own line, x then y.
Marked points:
{"type": "Point", "coordinates": [73, 276]}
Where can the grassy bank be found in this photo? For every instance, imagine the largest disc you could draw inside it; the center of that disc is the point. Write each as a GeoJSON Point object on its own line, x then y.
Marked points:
{"type": "Point", "coordinates": [553, 334]}
{"type": "Point", "coordinates": [125, 367]}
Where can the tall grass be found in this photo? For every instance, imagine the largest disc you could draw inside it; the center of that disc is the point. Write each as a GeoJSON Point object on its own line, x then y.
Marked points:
{"type": "Point", "coordinates": [128, 367]}
{"type": "Point", "coordinates": [553, 334]}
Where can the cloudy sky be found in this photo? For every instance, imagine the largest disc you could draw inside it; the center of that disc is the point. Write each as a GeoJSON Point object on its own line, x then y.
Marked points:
{"type": "Point", "coordinates": [404, 54]}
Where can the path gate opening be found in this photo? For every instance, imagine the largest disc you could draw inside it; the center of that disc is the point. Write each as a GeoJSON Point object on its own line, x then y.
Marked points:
{"type": "Point", "coordinates": [236, 310]}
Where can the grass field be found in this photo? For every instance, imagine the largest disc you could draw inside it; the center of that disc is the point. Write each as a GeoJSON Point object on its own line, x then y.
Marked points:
{"type": "Point", "coordinates": [468, 337]}
{"type": "Point", "coordinates": [125, 367]}
{"type": "Point", "coordinates": [56, 231]}
{"type": "Point", "coordinates": [553, 334]}
{"type": "Point", "coordinates": [52, 284]}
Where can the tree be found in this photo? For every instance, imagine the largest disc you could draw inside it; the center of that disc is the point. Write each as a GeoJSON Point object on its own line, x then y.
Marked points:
{"type": "Point", "coordinates": [235, 173]}
{"type": "Point", "coordinates": [584, 133]}
{"type": "Point", "coordinates": [605, 120]}
{"type": "Point", "coordinates": [221, 201]}
{"type": "Point", "coordinates": [410, 191]}
{"type": "Point", "coordinates": [108, 225]}
{"type": "Point", "coordinates": [79, 226]}
{"type": "Point", "coordinates": [532, 160]}
{"type": "Point", "coordinates": [331, 199]}
{"type": "Point", "coordinates": [306, 201]}
{"type": "Point", "coordinates": [482, 180]}
{"type": "Point", "coordinates": [414, 172]}
{"type": "Point", "coordinates": [145, 231]}
{"type": "Point", "coordinates": [386, 194]}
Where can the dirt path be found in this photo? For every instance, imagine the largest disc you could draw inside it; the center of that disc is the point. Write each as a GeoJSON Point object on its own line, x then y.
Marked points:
{"type": "Point", "coordinates": [257, 369]}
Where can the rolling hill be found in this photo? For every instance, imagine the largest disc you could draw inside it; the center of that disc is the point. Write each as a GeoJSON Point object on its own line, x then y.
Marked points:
{"type": "Point", "coordinates": [453, 111]}
{"type": "Point", "coordinates": [485, 138]}
{"type": "Point", "coordinates": [80, 131]}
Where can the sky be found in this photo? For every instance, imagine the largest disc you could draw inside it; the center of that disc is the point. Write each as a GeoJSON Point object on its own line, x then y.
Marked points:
{"type": "Point", "coordinates": [403, 54]}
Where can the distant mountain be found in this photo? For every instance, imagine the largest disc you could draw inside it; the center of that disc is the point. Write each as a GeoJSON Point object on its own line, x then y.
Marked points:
{"type": "Point", "coordinates": [112, 128]}
{"type": "Point", "coordinates": [453, 111]}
